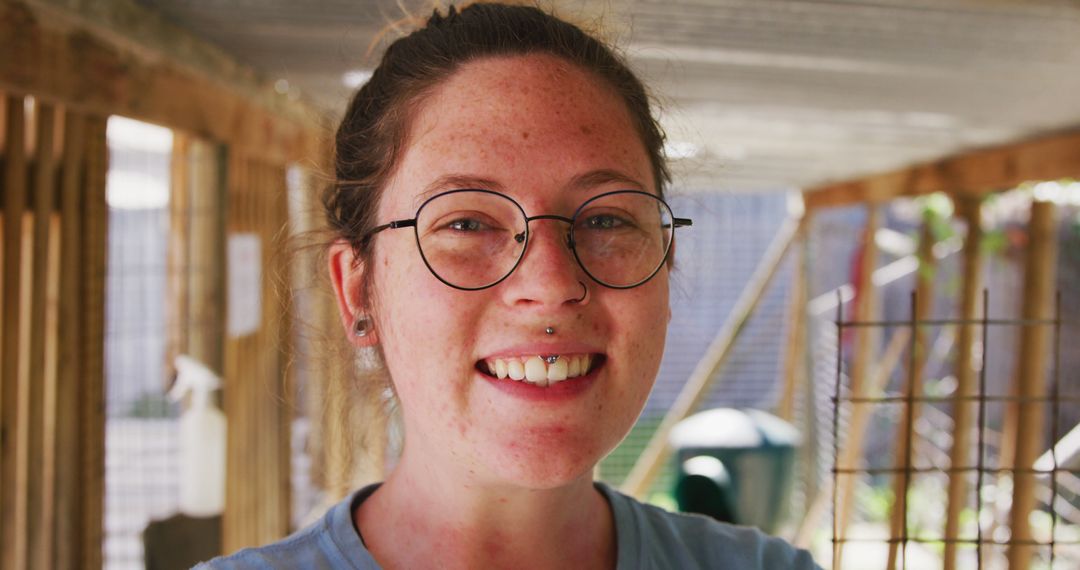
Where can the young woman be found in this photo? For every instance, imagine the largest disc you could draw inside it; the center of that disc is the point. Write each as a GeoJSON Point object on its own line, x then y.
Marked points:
{"type": "Point", "coordinates": [503, 240]}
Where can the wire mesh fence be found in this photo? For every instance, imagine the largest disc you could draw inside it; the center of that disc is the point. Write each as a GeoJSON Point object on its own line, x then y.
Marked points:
{"type": "Point", "coordinates": [1057, 543]}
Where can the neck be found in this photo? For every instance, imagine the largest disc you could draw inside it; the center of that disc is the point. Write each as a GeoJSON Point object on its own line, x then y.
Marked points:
{"type": "Point", "coordinates": [423, 517]}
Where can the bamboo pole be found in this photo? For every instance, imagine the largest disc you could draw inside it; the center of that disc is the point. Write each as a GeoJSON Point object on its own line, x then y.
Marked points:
{"type": "Point", "coordinates": [810, 450]}
{"type": "Point", "coordinates": [12, 508]}
{"type": "Point", "coordinates": [913, 388]}
{"type": "Point", "coordinates": [794, 357]}
{"type": "Point", "coordinates": [963, 407]}
{"type": "Point", "coordinates": [701, 379]}
{"type": "Point", "coordinates": [1039, 281]}
{"type": "Point", "coordinates": [865, 310]}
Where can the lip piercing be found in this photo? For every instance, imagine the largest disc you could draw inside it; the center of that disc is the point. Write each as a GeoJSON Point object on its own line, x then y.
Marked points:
{"type": "Point", "coordinates": [551, 359]}
{"type": "Point", "coordinates": [549, 330]}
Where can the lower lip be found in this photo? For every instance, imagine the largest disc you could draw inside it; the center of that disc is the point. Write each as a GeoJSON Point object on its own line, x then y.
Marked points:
{"type": "Point", "coordinates": [565, 390]}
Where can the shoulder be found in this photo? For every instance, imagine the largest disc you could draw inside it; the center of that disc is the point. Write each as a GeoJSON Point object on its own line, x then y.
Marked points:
{"type": "Point", "coordinates": [330, 542]}
{"type": "Point", "coordinates": [650, 537]}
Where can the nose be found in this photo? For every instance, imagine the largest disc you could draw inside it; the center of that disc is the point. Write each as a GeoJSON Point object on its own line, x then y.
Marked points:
{"type": "Point", "coordinates": [548, 274]}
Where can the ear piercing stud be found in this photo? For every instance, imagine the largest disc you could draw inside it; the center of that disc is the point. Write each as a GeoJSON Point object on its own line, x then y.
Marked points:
{"type": "Point", "coordinates": [362, 325]}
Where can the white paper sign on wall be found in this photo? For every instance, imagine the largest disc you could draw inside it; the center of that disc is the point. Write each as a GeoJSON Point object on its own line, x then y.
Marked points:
{"type": "Point", "coordinates": [245, 284]}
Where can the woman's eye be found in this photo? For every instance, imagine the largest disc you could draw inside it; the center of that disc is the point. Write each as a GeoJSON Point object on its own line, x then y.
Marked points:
{"type": "Point", "coordinates": [466, 225]}
{"type": "Point", "coordinates": [604, 222]}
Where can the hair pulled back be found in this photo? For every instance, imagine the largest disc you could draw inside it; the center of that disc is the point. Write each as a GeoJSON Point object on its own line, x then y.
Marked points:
{"type": "Point", "coordinates": [373, 133]}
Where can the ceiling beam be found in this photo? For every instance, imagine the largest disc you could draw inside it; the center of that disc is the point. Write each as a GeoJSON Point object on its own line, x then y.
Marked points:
{"type": "Point", "coordinates": [975, 173]}
{"type": "Point", "coordinates": [62, 57]}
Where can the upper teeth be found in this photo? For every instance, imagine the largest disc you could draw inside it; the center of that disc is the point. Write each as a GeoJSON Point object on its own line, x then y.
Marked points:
{"type": "Point", "coordinates": [540, 370]}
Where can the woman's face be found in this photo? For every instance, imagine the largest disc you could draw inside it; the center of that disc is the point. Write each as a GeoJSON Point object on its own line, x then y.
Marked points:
{"type": "Point", "coordinates": [549, 135]}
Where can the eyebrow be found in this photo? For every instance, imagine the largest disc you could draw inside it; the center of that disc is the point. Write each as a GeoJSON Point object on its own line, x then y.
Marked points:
{"type": "Point", "coordinates": [456, 182]}
{"type": "Point", "coordinates": [584, 181]}
{"type": "Point", "coordinates": [595, 178]}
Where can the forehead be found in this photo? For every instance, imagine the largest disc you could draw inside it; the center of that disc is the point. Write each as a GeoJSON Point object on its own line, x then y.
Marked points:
{"type": "Point", "coordinates": [522, 123]}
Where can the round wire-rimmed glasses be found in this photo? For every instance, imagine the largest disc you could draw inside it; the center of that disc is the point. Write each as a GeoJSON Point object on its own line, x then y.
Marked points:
{"type": "Point", "coordinates": [473, 239]}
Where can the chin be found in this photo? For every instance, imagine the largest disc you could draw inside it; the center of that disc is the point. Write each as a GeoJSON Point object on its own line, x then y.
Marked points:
{"type": "Point", "coordinates": [547, 462]}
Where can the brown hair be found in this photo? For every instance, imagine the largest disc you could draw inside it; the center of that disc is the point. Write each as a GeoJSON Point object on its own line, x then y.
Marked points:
{"type": "Point", "coordinates": [373, 132]}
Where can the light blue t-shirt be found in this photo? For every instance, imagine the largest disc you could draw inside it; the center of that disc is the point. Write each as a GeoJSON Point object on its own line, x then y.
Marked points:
{"type": "Point", "coordinates": [647, 537]}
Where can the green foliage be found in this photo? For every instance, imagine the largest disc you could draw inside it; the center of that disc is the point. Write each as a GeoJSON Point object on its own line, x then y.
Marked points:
{"type": "Point", "coordinates": [937, 211]}
{"type": "Point", "coordinates": [151, 405]}
{"type": "Point", "coordinates": [994, 242]}
{"type": "Point", "coordinates": [877, 500]}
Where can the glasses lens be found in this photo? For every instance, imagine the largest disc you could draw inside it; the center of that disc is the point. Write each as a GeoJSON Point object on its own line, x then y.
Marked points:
{"type": "Point", "coordinates": [622, 238]}
{"type": "Point", "coordinates": [470, 239]}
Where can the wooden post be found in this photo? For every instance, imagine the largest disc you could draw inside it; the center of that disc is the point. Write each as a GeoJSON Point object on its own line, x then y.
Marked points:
{"type": "Point", "coordinates": [865, 310]}
{"type": "Point", "coordinates": [697, 387]}
{"type": "Point", "coordinates": [69, 349]}
{"type": "Point", "coordinates": [12, 508]}
{"type": "Point", "coordinates": [913, 387]}
{"type": "Point", "coordinates": [1039, 281]}
{"type": "Point", "coordinates": [92, 381]}
{"type": "Point", "coordinates": [963, 408]}
{"type": "Point", "coordinates": [41, 374]}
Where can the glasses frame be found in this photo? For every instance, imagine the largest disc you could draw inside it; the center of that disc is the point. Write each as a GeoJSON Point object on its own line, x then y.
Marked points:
{"type": "Point", "coordinates": [523, 237]}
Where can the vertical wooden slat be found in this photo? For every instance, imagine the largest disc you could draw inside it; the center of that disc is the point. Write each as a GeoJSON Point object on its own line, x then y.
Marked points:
{"type": "Point", "coordinates": [12, 521]}
{"type": "Point", "coordinates": [1039, 279]}
{"type": "Point", "coordinates": [861, 364]}
{"type": "Point", "coordinates": [238, 451]}
{"type": "Point", "coordinates": [913, 389]}
{"type": "Point", "coordinates": [92, 377]}
{"type": "Point", "coordinates": [963, 407]}
{"type": "Point", "coordinates": [178, 261]}
{"type": "Point", "coordinates": [206, 284]}
{"type": "Point", "coordinates": [69, 353]}
{"type": "Point", "coordinates": [255, 395]}
{"type": "Point", "coordinates": [39, 534]}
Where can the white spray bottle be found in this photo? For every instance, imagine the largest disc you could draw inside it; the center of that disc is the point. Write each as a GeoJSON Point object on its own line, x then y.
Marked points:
{"type": "Point", "coordinates": [202, 440]}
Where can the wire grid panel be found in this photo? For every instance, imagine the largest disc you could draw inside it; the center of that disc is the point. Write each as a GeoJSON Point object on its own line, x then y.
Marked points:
{"type": "Point", "coordinates": [1057, 544]}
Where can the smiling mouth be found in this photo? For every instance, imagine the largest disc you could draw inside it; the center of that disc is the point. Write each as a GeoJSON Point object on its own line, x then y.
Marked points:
{"type": "Point", "coordinates": [541, 370]}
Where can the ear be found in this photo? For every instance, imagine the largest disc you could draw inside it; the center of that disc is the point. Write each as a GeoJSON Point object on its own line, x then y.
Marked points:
{"type": "Point", "coordinates": [347, 279]}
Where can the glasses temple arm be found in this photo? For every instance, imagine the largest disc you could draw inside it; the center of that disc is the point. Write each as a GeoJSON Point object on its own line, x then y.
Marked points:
{"type": "Point", "coordinates": [390, 226]}
{"type": "Point", "coordinates": [678, 223]}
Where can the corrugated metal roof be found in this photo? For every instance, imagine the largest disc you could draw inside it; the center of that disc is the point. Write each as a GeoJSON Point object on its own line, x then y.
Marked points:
{"type": "Point", "coordinates": [774, 94]}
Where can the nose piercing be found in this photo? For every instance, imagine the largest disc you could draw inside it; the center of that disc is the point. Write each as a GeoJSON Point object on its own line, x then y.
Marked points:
{"type": "Point", "coordinates": [584, 292]}
{"type": "Point", "coordinates": [549, 330]}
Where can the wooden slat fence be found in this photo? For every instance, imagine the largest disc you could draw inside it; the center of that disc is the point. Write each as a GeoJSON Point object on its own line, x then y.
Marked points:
{"type": "Point", "coordinates": [52, 384]}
